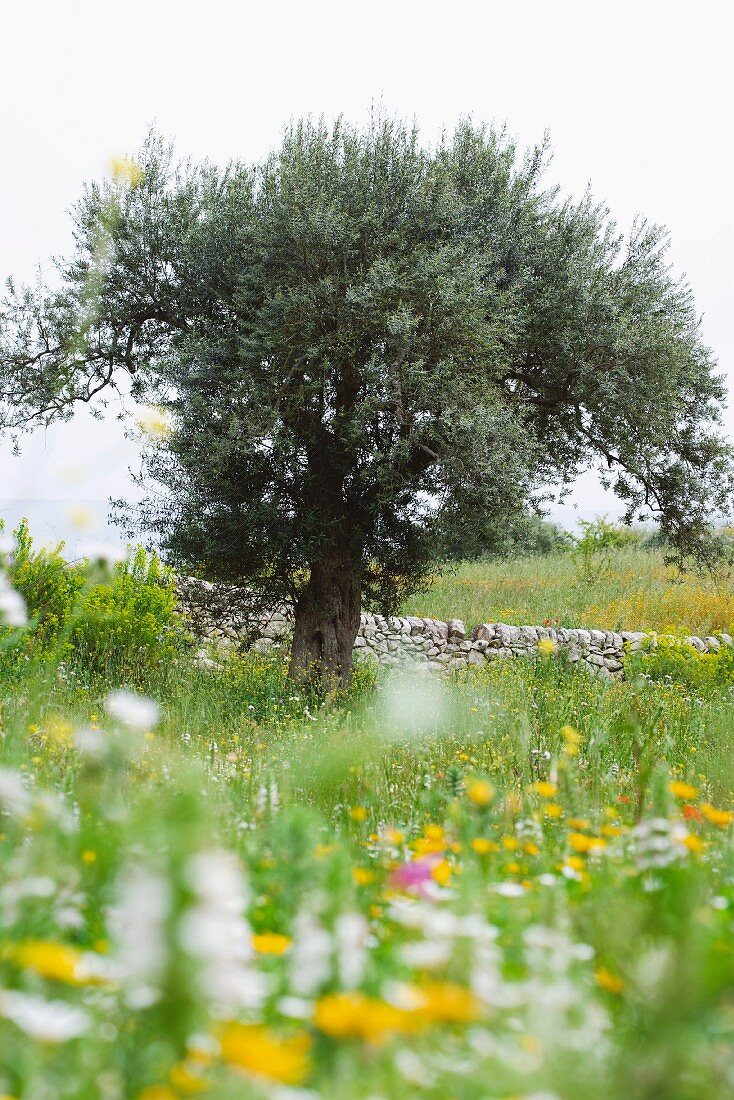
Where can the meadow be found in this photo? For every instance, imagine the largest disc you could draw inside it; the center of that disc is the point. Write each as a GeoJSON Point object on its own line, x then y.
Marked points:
{"type": "Point", "coordinates": [632, 589]}
{"type": "Point", "coordinates": [511, 883]}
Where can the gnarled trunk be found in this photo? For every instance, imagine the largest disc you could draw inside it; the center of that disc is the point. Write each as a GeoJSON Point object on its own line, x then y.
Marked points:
{"type": "Point", "coordinates": [326, 621]}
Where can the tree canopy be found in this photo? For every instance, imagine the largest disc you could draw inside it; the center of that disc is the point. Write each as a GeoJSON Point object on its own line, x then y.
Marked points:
{"type": "Point", "coordinates": [362, 338]}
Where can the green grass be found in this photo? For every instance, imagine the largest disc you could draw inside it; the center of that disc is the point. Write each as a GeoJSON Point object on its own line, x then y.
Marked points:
{"type": "Point", "coordinates": [633, 590]}
{"type": "Point", "coordinates": [548, 957]}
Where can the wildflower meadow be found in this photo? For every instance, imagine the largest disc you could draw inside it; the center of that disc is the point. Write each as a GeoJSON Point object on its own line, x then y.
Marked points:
{"type": "Point", "coordinates": [510, 883]}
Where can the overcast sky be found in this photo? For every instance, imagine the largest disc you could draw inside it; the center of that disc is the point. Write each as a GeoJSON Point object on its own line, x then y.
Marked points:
{"type": "Point", "coordinates": [637, 98]}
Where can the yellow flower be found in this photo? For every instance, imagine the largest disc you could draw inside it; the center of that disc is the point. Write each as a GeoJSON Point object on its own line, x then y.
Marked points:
{"type": "Point", "coordinates": [89, 857]}
{"type": "Point", "coordinates": [683, 790]}
{"type": "Point", "coordinates": [511, 843]}
{"type": "Point", "coordinates": [263, 1053]}
{"type": "Point", "coordinates": [546, 647]}
{"type": "Point", "coordinates": [722, 818]}
{"type": "Point", "coordinates": [271, 943]}
{"type": "Point", "coordinates": [572, 740]}
{"type": "Point", "coordinates": [186, 1077]}
{"type": "Point", "coordinates": [157, 1092]}
{"type": "Point", "coordinates": [441, 873]}
{"type": "Point", "coordinates": [60, 732]}
{"type": "Point", "coordinates": [552, 809]}
{"type": "Point", "coordinates": [80, 517]}
{"type": "Point", "coordinates": [358, 813]}
{"type": "Point", "coordinates": [544, 789]}
{"type": "Point", "coordinates": [444, 1002]}
{"type": "Point", "coordinates": [153, 421]}
{"type": "Point", "coordinates": [125, 170]}
{"type": "Point", "coordinates": [362, 876]}
{"type": "Point", "coordinates": [56, 961]}
{"type": "Point", "coordinates": [355, 1016]}
{"type": "Point", "coordinates": [608, 981]}
{"type": "Point", "coordinates": [483, 847]}
{"type": "Point", "coordinates": [480, 792]}
{"type": "Point", "coordinates": [586, 844]}
{"type": "Point", "coordinates": [693, 843]}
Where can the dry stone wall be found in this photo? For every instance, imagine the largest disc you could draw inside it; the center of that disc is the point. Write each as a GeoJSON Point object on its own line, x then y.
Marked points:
{"type": "Point", "coordinates": [436, 646]}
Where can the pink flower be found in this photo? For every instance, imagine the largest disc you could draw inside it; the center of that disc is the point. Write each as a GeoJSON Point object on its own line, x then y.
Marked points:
{"type": "Point", "coordinates": [416, 877]}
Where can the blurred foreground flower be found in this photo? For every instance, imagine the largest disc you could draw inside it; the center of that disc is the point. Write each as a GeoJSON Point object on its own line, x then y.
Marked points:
{"type": "Point", "coordinates": [49, 1021]}
{"type": "Point", "coordinates": [126, 171]}
{"type": "Point", "coordinates": [13, 611]}
{"type": "Point", "coordinates": [153, 421]}
{"type": "Point", "coordinates": [134, 711]}
{"type": "Point", "coordinates": [262, 1053]}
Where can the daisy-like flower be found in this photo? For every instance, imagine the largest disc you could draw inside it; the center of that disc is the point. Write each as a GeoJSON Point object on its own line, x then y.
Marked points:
{"type": "Point", "coordinates": [137, 712]}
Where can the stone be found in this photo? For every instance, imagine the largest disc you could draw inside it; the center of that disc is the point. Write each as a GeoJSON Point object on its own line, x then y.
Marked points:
{"type": "Point", "coordinates": [483, 633]}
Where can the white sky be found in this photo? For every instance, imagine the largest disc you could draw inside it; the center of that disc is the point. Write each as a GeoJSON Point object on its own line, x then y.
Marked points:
{"type": "Point", "coordinates": [637, 97]}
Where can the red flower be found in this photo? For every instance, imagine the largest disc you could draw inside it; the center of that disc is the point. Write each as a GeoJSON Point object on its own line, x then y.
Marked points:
{"type": "Point", "coordinates": [547, 622]}
{"type": "Point", "coordinates": [624, 798]}
{"type": "Point", "coordinates": [692, 812]}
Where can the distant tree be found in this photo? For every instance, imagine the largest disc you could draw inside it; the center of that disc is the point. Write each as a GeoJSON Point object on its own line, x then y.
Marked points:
{"type": "Point", "coordinates": [360, 339]}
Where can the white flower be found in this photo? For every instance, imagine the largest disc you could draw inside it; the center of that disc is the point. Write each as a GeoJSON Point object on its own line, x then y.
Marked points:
{"type": "Point", "coordinates": [134, 711]}
{"type": "Point", "coordinates": [90, 741]}
{"type": "Point", "coordinates": [510, 889]}
{"type": "Point", "coordinates": [310, 955]}
{"type": "Point", "coordinates": [13, 610]}
{"type": "Point", "coordinates": [14, 796]}
{"type": "Point", "coordinates": [215, 931]}
{"type": "Point", "coordinates": [351, 932]}
{"type": "Point", "coordinates": [48, 1021]}
{"type": "Point", "coordinates": [137, 923]}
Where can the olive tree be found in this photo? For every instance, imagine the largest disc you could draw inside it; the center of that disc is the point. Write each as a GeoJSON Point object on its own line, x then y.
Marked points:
{"type": "Point", "coordinates": [363, 339]}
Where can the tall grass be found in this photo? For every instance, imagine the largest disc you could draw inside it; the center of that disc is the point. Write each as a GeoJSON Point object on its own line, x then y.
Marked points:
{"type": "Point", "coordinates": [633, 590]}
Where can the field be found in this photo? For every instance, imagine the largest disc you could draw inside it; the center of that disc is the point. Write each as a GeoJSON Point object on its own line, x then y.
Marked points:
{"type": "Point", "coordinates": [633, 589]}
{"type": "Point", "coordinates": [511, 884]}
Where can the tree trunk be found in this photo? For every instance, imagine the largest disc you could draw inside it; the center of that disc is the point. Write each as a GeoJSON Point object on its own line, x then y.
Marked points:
{"type": "Point", "coordinates": [326, 622]}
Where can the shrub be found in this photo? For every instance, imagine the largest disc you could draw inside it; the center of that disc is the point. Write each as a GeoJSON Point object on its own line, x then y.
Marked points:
{"type": "Point", "coordinates": [674, 659]}
{"type": "Point", "coordinates": [126, 626]}
{"type": "Point", "coordinates": [120, 622]}
{"type": "Point", "coordinates": [50, 586]}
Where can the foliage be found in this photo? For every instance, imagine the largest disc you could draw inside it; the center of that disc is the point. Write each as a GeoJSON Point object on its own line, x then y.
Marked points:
{"type": "Point", "coordinates": [361, 338]}
{"type": "Point", "coordinates": [126, 623]}
{"type": "Point", "coordinates": [50, 587]}
{"type": "Point", "coordinates": [118, 621]}
{"type": "Point", "coordinates": [596, 544]}
{"type": "Point", "coordinates": [670, 658]}
{"type": "Point", "coordinates": [525, 536]}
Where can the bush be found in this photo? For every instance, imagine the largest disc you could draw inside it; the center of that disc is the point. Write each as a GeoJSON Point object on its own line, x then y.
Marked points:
{"type": "Point", "coordinates": [118, 622]}
{"type": "Point", "coordinates": [674, 659]}
{"type": "Point", "coordinates": [126, 626]}
{"type": "Point", "coordinates": [50, 587]}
